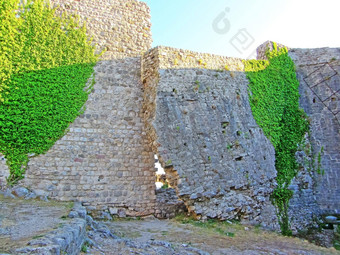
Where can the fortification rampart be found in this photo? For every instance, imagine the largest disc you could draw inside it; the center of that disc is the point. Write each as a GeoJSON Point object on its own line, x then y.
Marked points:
{"type": "Point", "coordinates": [317, 185]}
{"type": "Point", "coordinates": [213, 151]}
{"type": "Point", "coordinates": [104, 160]}
{"type": "Point", "coordinates": [191, 109]}
{"type": "Point", "coordinates": [318, 71]}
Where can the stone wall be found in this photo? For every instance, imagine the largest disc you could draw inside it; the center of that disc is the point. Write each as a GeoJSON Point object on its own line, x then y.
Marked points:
{"type": "Point", "coordinates": [104, 160]}
{"type": "Point", "coordinates": [192, 110]}
{"type": "Point", "coordinates": [200, 121]}
{"type": "Point", "coordinates": [122, 28]}
{"type": "Point", "coordinates": [318, 71]}
{"type": "Point", "coordinates": [317, 185]}
{"type": "Point", "coordinates": [4, 172]}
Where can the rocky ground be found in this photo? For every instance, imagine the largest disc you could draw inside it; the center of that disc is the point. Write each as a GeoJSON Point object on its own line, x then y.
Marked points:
{"type": "Point", "coordinates": [22, 221]}
{"type": "Point", "coordinates": [153, 236]}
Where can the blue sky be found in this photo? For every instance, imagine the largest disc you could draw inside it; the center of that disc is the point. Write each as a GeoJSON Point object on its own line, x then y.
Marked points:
{"type": "Point", "coordinates": [235, 28]}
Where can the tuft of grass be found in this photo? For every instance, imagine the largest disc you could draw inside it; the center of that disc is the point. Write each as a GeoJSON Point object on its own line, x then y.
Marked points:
{"type": "Point", "coordinates": [336, 243]}
{"type": "Point", "coordinates": [37, 236]}
{"type": "Point", "coordinates": [221, 227]}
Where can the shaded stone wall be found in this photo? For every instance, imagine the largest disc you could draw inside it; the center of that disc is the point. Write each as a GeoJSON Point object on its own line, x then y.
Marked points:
{"type": "Point", "coordinates": [104, 160]}
{"type": "Point", "coordinates": [214, 153]}
{"type": "Point", "coordinates": [318, 71]}
{"type": "Point", "coordinates": [122, 28]}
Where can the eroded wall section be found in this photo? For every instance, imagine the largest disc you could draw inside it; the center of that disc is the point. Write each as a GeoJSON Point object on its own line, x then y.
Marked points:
{"type": "Point", "coordinates": [200, 123]}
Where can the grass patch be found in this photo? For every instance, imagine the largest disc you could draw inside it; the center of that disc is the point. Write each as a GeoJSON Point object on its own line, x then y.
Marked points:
{"type": "Point", "coordinates": [220, 227]}
{"type": "Point", "coordinates": [38, 236]}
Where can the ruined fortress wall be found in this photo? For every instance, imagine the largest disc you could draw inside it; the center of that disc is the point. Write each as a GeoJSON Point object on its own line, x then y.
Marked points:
{"type": "Point", "coordinates": [318, 71]}
{"type": "Point", "coordinates": [213, 151]}
{"type": "Point", "coordinates": [122, 28]}
{"type": "Point", "coordinates": [317, 185]}
{"type": "Point", "coordinates": [192, 110]}
{"type": "Point", "coordinates": [104, 160]}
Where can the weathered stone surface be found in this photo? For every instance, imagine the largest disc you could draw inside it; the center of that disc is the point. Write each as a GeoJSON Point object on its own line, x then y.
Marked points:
{"type": "Point", "coordinates": [4, 172]}
{"type": "Point", "coordinates": [317, 185]}
{"type": "Point", "coordinates": [318, 73]}
{"type": "Point", "coordinates": [104, 159]}
{"type": "Point", "coordinates": [107, 139]}
{"type": "Point", "coordinates": [331, 219]}
{"type": "Point", "coordinates": [168, 205]}
{"type": "Point", "coordinates": [36, 227]}
{"type": "Point", "coordinates": [121, 28]}
{"type": "Point", "coordinates": [20, 191]}
{"type": "Point", "coordinates": [192, 110]}
{"type": "Point", "coordinates": [216, 156]}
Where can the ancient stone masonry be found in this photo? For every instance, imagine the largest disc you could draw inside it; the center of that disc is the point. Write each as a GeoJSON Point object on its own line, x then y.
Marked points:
{"type": "Point", "coordinates": [104, 160]}
{"type": "Point", "coordinates": [200, 121]}
{"type": "Point", "coordinates": [122, 28]}
{"type": "Point", "coordinates": [317, 185]}
{"type": "Point", "coordinates": [192, 110]}
{"type": "Point", "coordinates": [318, 71]}
{"type": "Point", "coordinates": [4, 171]}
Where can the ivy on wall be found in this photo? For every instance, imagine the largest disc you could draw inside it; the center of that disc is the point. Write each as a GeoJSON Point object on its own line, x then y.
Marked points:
{"type": "Point", "coordinates": [274, 100]}
{"type": "Point", "coordinates": [9, 47]}
{"type": "Point", "coordinates": [46, 62]}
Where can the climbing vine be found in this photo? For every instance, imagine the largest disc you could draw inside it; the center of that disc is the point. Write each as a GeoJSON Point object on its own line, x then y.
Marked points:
{"type": "Point", "coordinates": [46, 62]}
{"type": "Point", "coordinates": [274, 100]}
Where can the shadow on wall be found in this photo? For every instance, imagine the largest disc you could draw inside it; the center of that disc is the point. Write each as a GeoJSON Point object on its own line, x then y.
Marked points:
{"type": "Point", "coordinates": [213, 152]}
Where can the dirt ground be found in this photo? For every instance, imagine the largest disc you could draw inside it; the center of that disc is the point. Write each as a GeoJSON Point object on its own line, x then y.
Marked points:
{"type": "Point", "coordinates": [214, 238]}
{"type": "Point", "coordinates": [23, 220]}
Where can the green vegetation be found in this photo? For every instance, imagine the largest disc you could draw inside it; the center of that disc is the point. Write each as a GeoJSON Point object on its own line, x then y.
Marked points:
{"type": "Point", "coordinates": [337, 238]}
{"type": "Point", "coordinates": [274, 100]}
{"type": "Point", "coordinates": [84, 248]}
{"type": "Point", "coordinates": [196, 88]}
{"type": "Point", "coordinates": [45, 64]}
{"type": "Point", "coordinates": [165, 185]}
{"type": "Point", "coordinates": [220, 227]}
{"type": "Point", "coordinates": [319, 170]}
